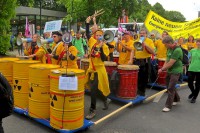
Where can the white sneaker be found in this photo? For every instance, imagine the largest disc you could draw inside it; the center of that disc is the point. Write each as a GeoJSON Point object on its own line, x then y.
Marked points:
{"type": "Point", "coordinates": [165, 109]}
{"type": "Point", "coordinates": [174, 103]}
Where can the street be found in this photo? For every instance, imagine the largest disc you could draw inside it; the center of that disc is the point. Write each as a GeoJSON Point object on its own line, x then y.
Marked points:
{"type": "Point", "coordinates": [141, 118]}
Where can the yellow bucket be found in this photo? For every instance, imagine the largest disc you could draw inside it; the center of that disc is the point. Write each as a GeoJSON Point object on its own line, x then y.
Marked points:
{"type": "Point", "coordinates": [20, 100]}
{"type": "Point", "coordinates": [67, 119]}
{"type": "Point", "coordinates": [54, 78]}
{"type": "Point", "coordinates": [6, 67]}
{"type": "Point", "coordinates": [21, 68]}
{"type": "Point", "coordinates": [38, 109]}
{"type": "Point", "coordinates": [39, 93]}
{"type": "Point", "coordinates": [39, 73]}
{"type": "Point", "coordinates": [66, 107]}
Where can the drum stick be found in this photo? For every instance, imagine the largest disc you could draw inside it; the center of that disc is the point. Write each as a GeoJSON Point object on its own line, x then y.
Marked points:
{"type": "Point", "coordinates": [113, 113]}
{"type": "Point", "coordinates": [155, 95]}
{"type": "Point", "coordinates": [22, 56]}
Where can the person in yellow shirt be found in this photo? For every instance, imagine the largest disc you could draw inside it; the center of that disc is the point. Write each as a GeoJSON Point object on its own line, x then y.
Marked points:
{"type": "Point", "coordinates": [111, 46]}
{"type": "Point", "coordinates": [142, 59]}
{"type": "Point", "coordinates": [57, 47]}
{"type": "Point", "coordinates": [191, 43]}
{"type": "Point", "coordinates": [125, 48]}
{"type": "Point", "coordinates": [40, 54]}
{"type": "Point", "coordinates": [182, 44]}
{"type": "Point", "coordinates": [96, 73]}
{"type": "Point", "coordinates": [69, 59]}
{"type": "Point", "coordinates": [161, 50]}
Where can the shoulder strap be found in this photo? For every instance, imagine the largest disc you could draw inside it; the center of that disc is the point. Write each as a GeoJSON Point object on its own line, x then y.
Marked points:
{"type": "Point", "coordinates": [54, 50]}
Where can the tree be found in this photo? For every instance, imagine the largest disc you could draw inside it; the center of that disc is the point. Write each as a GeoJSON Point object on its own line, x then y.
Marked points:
{"type": "Point", "coordinates": [158, 8]}
{"type": "Point", "coordinates": [7, 12]}
{"type": "Point", "coordinates": [174, 16]}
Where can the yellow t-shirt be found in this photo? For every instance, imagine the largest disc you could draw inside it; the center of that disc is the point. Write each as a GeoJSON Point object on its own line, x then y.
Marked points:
{"type": "Point", "coordinates": [124, 55]}
{"type": "Point", "coordinates": [161, 50]}
{"type": "Point", "coordinates": [112, 49]}
{"type": "Point", "coordinates": [40, 54]}
{"type": "Point", "coordinates": [71, 63]}
{"type": "Point", "coordinates": [191, 45]}
{"type": "Point", "coordinates": [144, 54]}
{"type": "Point", "coordinates": [184, 46]}
{"type": "Point", "coordinates": [58, 51]}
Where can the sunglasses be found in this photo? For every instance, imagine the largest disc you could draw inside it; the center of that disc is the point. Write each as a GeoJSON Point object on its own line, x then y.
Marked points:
{"type": "Point", "coordinates": [54, 36]}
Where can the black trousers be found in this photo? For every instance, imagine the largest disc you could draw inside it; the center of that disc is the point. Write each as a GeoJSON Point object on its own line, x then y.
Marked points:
{"type": "Point", "coordinates": [143, 75]}
{"type": "Point", "coordinates": [1, 126]}
{"type": "Point", "coordinates": [95, 92]}
{"type": "Point", "coordinates": [191, 78]}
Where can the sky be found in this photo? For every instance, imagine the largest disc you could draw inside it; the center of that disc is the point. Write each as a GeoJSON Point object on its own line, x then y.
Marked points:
{"type": "Point", "coordinates": [189, 8]}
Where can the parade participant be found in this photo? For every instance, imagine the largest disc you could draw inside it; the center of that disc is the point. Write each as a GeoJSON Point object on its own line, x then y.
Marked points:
{"type": "Point", "coordinates": [111, 46]}
{"type": "Point", "coordinates": [33, 47]}
{"type": "Point", "coordinates": [96, 72]}
{"type": "Point", "coordinates": [40, 54]}
{"type": "Point", "coordinates": [191, 43]}
{"type": "Point", "coordinates": [57, 47]}
{"type": "Point", "coordinates": [194, 72]}
{"type": "Point", "coordinates": [125, 48]}
{"type": "Point", "coordinates": [173, 65]}
{"type": "Point", "coordinates": [80, 45]}
{"type": "Point", "coordinates": [142, 59]}
{"type": "Point", "coordinates": [181, 43]}
{"type": "Point", "coordinates": [161, 49]}
{"type": "Point", "coordinates": [69, 56]}
{"type": "Point", "coordinates": [152, 37]}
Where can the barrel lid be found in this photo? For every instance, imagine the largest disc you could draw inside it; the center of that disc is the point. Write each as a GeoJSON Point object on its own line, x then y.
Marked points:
{"type": "Point", "coordinates": [128, 67]}
{"type": "Point", "coordinates": [26, 62]}
{"type": "Point", "coordinates": [110, 63]}
{"type": "Point", "coordinates": [70, 70]}
{"type": "Point", "coordinates": [8, 59]}
{"type": "Point", "coordinates": [85, 60]}
{"type": "Point", "coordinates": [162, 59]}
{"type": "Point", "coordinates": [44, 66]}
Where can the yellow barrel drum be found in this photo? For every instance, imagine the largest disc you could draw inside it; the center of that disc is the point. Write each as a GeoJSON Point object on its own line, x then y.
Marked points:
{"type": "Point", "coordinates": [39, 90]}
{"type": "Point", "coordinates": [66, 106]}
{"type": "Point", "coordinates": [20, 82]}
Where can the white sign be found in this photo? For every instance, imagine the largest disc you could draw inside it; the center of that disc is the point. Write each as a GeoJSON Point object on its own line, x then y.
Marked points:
{"type": "Point", "coordinates": [53, 26]}
{"type": "Point", "coordinates": [68, 83]}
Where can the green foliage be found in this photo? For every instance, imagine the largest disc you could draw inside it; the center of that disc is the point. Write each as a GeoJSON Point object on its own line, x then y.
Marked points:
{"type": "Point", "coordinates": [7, 11]}
{"type": "Point", "coordinates": [174, 16]}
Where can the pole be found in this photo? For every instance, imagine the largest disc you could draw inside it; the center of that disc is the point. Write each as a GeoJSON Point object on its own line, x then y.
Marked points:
{"type": "Point", "coordinates": [40, 17]}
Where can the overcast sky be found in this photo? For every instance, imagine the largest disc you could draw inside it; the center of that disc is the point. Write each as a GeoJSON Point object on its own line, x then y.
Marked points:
{"type": "Point", "coordinates": [189, 8]}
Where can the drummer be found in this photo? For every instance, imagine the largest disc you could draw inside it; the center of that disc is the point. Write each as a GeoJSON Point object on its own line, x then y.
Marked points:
{"type": "Point", "coordinates": [111, 46]}
{"type": "Point", "coordinates": [142, 59]}
{"type": "Point", "coordinates": [161, 50]}
{"type": "Point", "coordinates": [57, 47]}
{"type": "Point", "coordinates": [96, 73]}
{"type": "Point", "coordinates": [125, 47]}
{"type": "Point", "coordinates": [69, 57]}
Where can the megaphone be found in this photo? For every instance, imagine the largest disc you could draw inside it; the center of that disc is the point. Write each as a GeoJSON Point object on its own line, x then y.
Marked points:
{"type": "Point", "coordinates": [108, 36]}
{"type": "Point", "coordinates": [22, 40]}
{"type": "Point", "coordinates": [82, 30]}
{"type": "Point", "coordinates": [41, 41]}
{"type": "Point", "coordinates": [138, 44]}
{"type": "Point", "coordinates": [67, 38]}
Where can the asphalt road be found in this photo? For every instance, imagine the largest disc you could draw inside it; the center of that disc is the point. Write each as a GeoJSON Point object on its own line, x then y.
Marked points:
{"type": "Point", "coordinates": [141, 118]}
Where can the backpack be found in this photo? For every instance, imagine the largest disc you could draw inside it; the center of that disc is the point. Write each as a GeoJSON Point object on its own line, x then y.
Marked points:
{"type": "Point", "coordinates": [6, 97]}
{"type": "Point", "coordinates": [185, 59]}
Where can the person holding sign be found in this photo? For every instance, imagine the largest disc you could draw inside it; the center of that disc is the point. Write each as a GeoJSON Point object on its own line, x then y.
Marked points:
{"type": "Point", "coordinates": [57, 47]}
{"type": "Point", "coordinates": [69, 56]}
{"type": "Point", "coordinates": [96, 73]}
{"type": "Point", "coordinates": [191, 43]}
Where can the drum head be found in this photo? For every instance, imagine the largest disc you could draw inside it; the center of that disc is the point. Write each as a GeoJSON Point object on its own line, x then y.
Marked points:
{"type": "Point", "coordinates": [110, 63]}
{"type": "Point", "coordinates": [128, 67]}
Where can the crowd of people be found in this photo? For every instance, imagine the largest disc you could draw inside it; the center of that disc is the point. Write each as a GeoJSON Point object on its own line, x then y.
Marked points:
{"type": "Point", "coordinates": [97, 50]}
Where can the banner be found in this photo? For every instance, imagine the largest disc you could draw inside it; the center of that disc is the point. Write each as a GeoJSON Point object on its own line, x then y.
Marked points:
{"type": "Point", "coordinates": [53, 26]}
{"type": "Point", "coordinates": [157, 24]}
